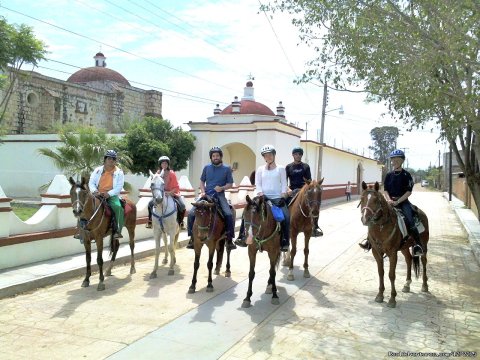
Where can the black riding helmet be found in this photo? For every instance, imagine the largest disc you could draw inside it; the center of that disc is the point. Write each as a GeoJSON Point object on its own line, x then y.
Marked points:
{"type": "Point", "coordinates": [215, 149]}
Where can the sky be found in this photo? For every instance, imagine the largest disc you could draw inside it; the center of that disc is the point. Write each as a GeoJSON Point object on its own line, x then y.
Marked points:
{"type": "Point", "coordinates": [200, 53]}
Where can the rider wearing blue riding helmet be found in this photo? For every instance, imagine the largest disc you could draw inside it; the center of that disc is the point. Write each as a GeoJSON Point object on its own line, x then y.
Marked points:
{"type": "Point", "coordinates": [398, 187]}
{"type": "Point", "coordinates": [215, 179]}
{"type": "Point", "coordinates": [297, 173]}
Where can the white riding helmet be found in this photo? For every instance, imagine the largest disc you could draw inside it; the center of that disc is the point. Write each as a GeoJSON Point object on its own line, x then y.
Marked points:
{"type": "Point", "coordinates": [268, 149]}
{"type": "Point", "coordinates": [163, 158]}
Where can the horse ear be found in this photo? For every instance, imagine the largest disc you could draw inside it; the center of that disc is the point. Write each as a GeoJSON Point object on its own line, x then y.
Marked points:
{"type": "Point", "coordinates": [151, 174]}
{"type": "Point", "coordinates": [321, 181]}
{"type": "Point", "coordinates": [307, 181]}
{"type": "Point", "coordinates": [364, 185]}
{"type": "Point", "coordinates": [377, 186]}
{"type": "Point", "coordinates": [71, 181]}
{"type": "Point", "coordinates": [248, 199]}
{"type": "Point", "coordinates": [84, 181]}
{"type": "Point", "coordinates": [195, 204]}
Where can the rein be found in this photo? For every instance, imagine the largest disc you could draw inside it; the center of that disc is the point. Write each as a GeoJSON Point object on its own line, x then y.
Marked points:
{"type": "Point", "coordinates": [96, 210]}
{"type": "Point", "coordinates": [163, 215]}
{"type": "Point", "coordinates": [259, 242]}
{"type": "Point", "coordinates": [209, 228]}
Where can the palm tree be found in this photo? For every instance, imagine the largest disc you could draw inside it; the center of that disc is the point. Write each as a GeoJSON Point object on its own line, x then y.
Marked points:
{"type": "Point", "coordinates": [83, 150]}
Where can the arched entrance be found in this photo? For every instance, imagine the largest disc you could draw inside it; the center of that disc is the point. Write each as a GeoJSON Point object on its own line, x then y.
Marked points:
{"type": "Point", "coordinates": [241, 158]}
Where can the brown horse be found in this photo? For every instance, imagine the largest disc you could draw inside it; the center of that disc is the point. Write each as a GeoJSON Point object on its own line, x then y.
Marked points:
{"type": "Point", "coordinates": [95, 220]}
{"type": "Point", "coordinates": [386, 237]}
{"type": "Point", "coordinates": [209, 229]}
{"type": "Point", "coordinates": [266, 234]}
{"type": "Point", "coordinates": [304, 208]}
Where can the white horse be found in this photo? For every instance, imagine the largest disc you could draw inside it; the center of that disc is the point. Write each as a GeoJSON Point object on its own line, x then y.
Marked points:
{"type": "Point", "coordinates": [164, 222]}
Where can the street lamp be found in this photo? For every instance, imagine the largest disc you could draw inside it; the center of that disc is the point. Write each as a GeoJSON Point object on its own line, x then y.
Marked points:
{"type": "Point", "coordinates": [322, 129]}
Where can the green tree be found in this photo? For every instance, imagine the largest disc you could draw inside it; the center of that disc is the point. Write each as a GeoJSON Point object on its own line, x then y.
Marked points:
{"type": "Point", "coordinates": [422, 58]}
{"type": "Point", "coordinates": [82, 150]}
{"type": "Point", "coordinates": [18, 47]}
{"type": "Point", "coordinates": [147, 140]}
{"type": "Point", "coordinates": [384, 142]}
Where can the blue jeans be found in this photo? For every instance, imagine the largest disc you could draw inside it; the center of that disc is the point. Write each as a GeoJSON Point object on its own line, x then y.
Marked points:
{"type": "Point", "coordinates": [406, 207]}
{"type": "Point", "coordinates": [222, 200]}
{"type": "Point", "coordinates": [285, 224]}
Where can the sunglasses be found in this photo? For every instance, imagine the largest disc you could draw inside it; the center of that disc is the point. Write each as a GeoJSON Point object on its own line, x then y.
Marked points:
{"type": "Point", "coordinates": [109, 157]}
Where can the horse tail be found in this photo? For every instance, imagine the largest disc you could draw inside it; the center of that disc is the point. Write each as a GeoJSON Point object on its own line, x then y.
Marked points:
{"type": "Point", "coordinates": [416, 266]}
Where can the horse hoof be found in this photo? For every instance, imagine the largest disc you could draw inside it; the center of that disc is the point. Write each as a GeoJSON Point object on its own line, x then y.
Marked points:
{"type": "Point", "coordinates": [101, 287]}
{"type": "Point", "coordinates": [275, 301]}
{"type": "Point", "coordinates": [209, 288]}
{"type": "Point", "coordinates": [391, 304]}
{"type": "Point", "coordinates": [406, 289]}
{"type": "Point", "coordinates": [228, 274]}
{"type": "Point", "coordinates": [246, 304]}
{"type": "Point", "coordinates": [133, 271]}
{"type": "Point", "coordinates": [216, 272]}
{"type": "Point", "coordinates": [171, 272]}
{"type": "Point", "coordinates": [379, 299]}
{"type": "Point", "coordinates": [108, 273]}
{"type": "Point", "coordinates": [164, 261]}
{"type": "Point", "coordinates": [424, 288]}
{"type": "Point", "coordinates": [191, 290]}
{"type": "Point", "coordinates": [290, 277]}
{"type": "Point", "coordinates": [85, 283]}
{"type": "Point", "coordinates": [153, 275]}
{"type": "Point", "coordinates": [306, 274]}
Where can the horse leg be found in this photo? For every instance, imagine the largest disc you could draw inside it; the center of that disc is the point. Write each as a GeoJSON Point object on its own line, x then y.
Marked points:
{"type": "Point", "coordinates": [156, 235]}
{"type": "Point", "coordinates": [273, 255]}
{"type": "Point", "coordinates": [171, 249]}
{"type": "Point", "coordinates": [196, 265]}
{"type": "Point", "coordinates": [379, 259]}
{"type": "Point", "coordinates": [252, 254]}
{"type": "Point", "coordinates": [211, 252]}
{"type": "Point", "coordinates": [306, 252]}
{"type": "Point", "coordinates": [293, 252]}
{"type": "Point", "coordinates": [227, 270]}
{"type": "Point", "coordinates": [88, 255]}
{"type": "Point", "coordinates": [424, 277]}
{"type": "Point", "coordinates": [131, 236]}
{"type": "Point", "coordinates": [391, 274]}
{"type": "Point", "coordinates": [99, 241]}
{"type": "Point", "coordinates": [220, 251]}
{"type": "Point", "coordinates": [408, 260]}
{"type": "Point", "coordinates": [165, 245]}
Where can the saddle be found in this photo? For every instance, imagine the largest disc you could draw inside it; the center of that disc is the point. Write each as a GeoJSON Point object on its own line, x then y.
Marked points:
{"type": "Point", "coordinates": [218, 207]}
{"type": "Point", "coordinates": [127, 208]}
{"type": "Point", "coordinates": [416, 219]}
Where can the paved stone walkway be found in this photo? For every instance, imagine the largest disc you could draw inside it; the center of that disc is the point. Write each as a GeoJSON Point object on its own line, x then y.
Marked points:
{"type": "Point", "coordinates": [330, 315]}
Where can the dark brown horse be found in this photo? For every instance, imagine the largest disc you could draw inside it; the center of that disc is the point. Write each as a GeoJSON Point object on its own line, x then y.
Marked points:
{"type": "Point", "coordinates": [386, 238]}
{"type": "Point", "coordinates": [209, 229]}
{"type": "Point", "coordinates": [304, 208]}
{"type": "Point", "coordinates": [92, 213]}
{"type": "Point", "coordinates": [265, 234]}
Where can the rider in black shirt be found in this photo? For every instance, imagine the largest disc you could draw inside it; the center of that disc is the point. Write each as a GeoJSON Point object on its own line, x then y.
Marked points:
{"type": "Point", "coordinates": [397, 188]}
{"type": "Point", "coordinates": [297, 173]}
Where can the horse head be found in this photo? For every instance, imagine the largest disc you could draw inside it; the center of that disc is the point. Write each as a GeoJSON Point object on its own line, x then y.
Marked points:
{"type": "Point", "coordinates": [312, 197]}
{"type": "Point", "coordinates": [78, 195]}
{"type": "Point", "coordinates": [372, 203]}
{"type": "Point", "coordinates": [157, 185]}
{"type": "Point", "coordinates": [204, 211]}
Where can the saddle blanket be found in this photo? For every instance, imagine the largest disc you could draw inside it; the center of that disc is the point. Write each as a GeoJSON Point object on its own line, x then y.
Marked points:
{"type": "Point", "coordinates": [403, 227]}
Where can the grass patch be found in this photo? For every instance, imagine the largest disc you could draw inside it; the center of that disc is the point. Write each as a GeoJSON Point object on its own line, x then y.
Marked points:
{"type": "Point", "coordinates": [24, 212]}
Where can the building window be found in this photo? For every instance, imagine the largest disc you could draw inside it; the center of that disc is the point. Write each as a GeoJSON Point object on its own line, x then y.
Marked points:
{"type": "Point", "coordinates": [32, 99]}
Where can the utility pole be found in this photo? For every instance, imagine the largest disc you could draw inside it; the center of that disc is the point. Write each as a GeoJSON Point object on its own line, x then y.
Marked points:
{"type": "Point", "coordinates": [322, 130]}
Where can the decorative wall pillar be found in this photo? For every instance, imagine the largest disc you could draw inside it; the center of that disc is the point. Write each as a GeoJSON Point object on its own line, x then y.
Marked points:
{"type": "Point", "coordinates": [5, 211]}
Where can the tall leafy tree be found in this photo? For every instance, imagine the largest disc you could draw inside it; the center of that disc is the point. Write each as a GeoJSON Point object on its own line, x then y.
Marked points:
{"type": "Point", "coordinates": [147, 140]}
{"type": "Point", "coordinates": [18, 46]}
{"type": "Point", "coordinates": [82, 150]}
{"type": "Point", "coordinates": [422, 58]}
{"type": "Point", "coordinates": [384, 141]}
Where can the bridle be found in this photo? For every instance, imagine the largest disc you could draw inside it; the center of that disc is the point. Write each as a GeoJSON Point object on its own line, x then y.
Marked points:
{"type": "Point", "coordinates": [81, 206]}
{"type": "Point", "coordinates": [309, 203]}
{"type": "Point", "coordinates": [201, 211]}
{"type": "Point", "coordinates": [158, 194]}
{"type": "Point", "coordinates": [262, 210]}
{"type": "Point", "coordinates": [376, 213]}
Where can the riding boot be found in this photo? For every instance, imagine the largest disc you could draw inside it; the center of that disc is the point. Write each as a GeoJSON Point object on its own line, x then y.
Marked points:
{"type": "Point", "coordinates": [240, 241]}
{"type": "Point", "coordinates": [190, 243]}
{"type": "Point", "coordinates": [148, 225]}
{"type": "Point", "coordinates": [230, 232]}
{"type": "Point", "coordinates": [365, 245]}
{"type": "Point", "coordinates": [417, 248]}
{"type": "Point", "coordinates": [316, 229]}
{"type": "Point", "coordinates": [284, 242]}
{"type": "Point", "coordinates": [229, 244]}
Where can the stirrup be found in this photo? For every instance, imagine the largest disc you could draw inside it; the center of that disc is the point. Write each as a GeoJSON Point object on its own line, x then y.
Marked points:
{"type": "Point", "coordinates": [230, 245]}
{"type": "Point", "coordinates": [284, 248]}
{"type": "Point", "coordinates": [117, 236]}
{"type": "Point", "coordinates": [365, 245]}
{"type": "Point", "coordinates": [317, 232]}
{"type": "Point", "coordinates": [417, 250]}
{"type": "Point", "coordinates": [241, 242]}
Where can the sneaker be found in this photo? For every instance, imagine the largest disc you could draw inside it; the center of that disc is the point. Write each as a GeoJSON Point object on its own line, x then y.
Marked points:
{"type": "Point", "coordinates": [148, 225]}
{"type": "Point", "coordinates": [417, 250]}
{"type": "Point", "coordinates": [77, 236]}
{"type": "Point", "coordinates": [190, 243]}
{"type": "Point", "coordinates": [117, 236]}
{"type": "Point", "coordinates": [317, 232]}
{"type": "Point", "coordinates": [230, 245]}
{"type": "Point", "coordinates": [365, 245]}
{"type": "Point", "coordinates": [284, 248]}
{"type": "Point", "coordinates": [241, 242]}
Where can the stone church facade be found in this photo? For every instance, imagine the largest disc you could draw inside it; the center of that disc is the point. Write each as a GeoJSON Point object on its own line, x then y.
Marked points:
{"type": "Point", "coordinates": [94, 96]}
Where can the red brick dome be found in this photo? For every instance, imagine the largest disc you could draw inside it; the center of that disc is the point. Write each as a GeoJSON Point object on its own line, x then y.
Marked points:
{"type": "Point", "coordinates": [249, 107]}
{"type": "Point", "coordinates": [97, 73]}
